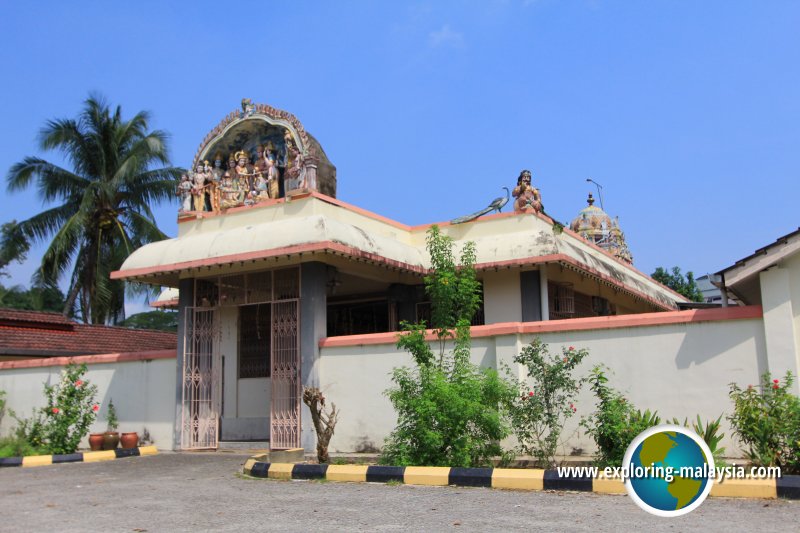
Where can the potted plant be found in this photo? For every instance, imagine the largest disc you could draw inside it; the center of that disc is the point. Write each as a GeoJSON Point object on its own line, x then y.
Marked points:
{"type": "Point", "coordinates": [111, 436]}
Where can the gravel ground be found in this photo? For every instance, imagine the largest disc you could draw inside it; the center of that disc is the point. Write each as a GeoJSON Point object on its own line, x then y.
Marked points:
{"type": "Point", "coordinates": [204, 492]}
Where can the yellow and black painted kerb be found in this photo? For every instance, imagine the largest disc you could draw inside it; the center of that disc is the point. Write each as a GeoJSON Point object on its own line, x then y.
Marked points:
{"type": "Point", "coordinates": [504, 478]}
{"type": "Point", "coordinates": [80, 457]}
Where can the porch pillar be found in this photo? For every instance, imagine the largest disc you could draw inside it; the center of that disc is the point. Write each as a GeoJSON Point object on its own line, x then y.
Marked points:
{"type": "Point", "coordinates": [313, 327]}
{"type": "Point", "coordinates": [543, 292]}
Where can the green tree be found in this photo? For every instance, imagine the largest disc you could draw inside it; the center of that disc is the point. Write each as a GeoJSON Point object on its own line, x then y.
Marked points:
{"type": "Point", "coordinates": [102, 213]}
{"type": "Point", "coordinates": [33, 299]}
{"type": "Point", "coordinates": [160, 320]}
{"type": "Point", "coordinates": [447, 408]}
{"type": "Point", "coordinates": [675, 280]}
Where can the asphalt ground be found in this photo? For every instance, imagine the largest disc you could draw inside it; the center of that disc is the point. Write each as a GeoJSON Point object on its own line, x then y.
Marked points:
{"type": "Point", "coordinates": [206, 492]}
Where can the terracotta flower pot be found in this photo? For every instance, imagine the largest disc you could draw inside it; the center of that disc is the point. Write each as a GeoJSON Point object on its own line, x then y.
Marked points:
{"type": "Point", "coordinates": [96, 441]}
{"type": "Point", "coordinates": [110, 440]}
{"type": "Point", "coordinates": [129, 440]}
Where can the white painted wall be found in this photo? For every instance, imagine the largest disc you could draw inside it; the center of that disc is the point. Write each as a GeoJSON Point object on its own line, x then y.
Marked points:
{"type": "Point", "coordinates": [143, 394]}
{"type": "Point", "coordinates": [680, 370]}
{"type": "Point", "coordinates": [501, 297]}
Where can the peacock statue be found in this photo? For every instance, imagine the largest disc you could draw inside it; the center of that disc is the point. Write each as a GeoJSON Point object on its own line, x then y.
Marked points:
{"type": "Point", "coordinates": [496, 205]}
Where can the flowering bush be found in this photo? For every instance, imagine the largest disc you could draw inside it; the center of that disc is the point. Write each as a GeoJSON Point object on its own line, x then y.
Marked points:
{"type": "Point", "coordinates": [766, 420]}
{"type": "Point", "coordinates": [615, 422]}
{"type": "Point", "coordinates": [544, 403]}
{"type": "Point", "coordinates": [69, 412]}
{"type": "Point", "coordinates": [448, 409]}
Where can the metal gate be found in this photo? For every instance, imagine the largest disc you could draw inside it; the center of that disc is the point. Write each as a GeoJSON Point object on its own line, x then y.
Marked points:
{"type": "Point", "coordinates": [201, 396]}
{"type": "Point", "coordinates": [285, 361]}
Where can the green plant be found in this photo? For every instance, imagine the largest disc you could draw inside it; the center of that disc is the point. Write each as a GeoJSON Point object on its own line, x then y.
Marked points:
{"type": "Point", "coordinates": [543, 403]}
{"type": "Point", "coordinates": [18, 446]}
{"type": "Point", "coordinates": [766, 420]}
{"type": "Point", "coordinates": [448, 409]}
{"type": "Point", "coordinates": [111, 417]}
{"type": "Point", "coordinates": [102, 200]}
{"type": "Point", "coordinates": [69, 410]}
{"type": "Point", "coordinates": [615, 422]}
{"type": "Point", "coordinates": [710, 433]}
{"type": "Point", "coordinates": [2, 405]}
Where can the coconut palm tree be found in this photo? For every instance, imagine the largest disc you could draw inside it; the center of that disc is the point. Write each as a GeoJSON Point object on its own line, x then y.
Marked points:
{"type": "Point", "coordinates": [103, 204]}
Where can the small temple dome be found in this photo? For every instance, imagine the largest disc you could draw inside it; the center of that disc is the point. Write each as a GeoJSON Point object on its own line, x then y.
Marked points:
{"type": "Point", "coordinates": [594, 225]}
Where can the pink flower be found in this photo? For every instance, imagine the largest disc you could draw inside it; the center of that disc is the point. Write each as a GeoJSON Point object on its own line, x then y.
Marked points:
{"type": "Point", "coordinates": [571, 348]}
{"type": "Point", "coordinates": [530, 393]}
{"type": "Point", "coordinates": [775, 387]}
{"type": "Point", "coordinates": [776, 381]}
{"type": "Point", "coordinates": [78, 383]}
{"type": "Point", "coordinates": [55, 410]}
{"type": "Point", "coordinates": [749, 387]}
{"type": "Point", "coordinates": [95, 408]}
{"type": "Point", "coordinates": [571, 406]}
{"type": "Point", "coordinates": [565, 359]}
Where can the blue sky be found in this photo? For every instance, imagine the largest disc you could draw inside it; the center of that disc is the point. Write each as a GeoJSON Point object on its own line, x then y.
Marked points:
{"type": "Point", "coordinates": [688, 113]}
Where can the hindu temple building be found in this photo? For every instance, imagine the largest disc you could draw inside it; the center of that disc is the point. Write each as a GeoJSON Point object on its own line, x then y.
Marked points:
{"type": "Point", "coordinates": [271, 267]}
{"type": "Point", "coordinates": [594, 225]}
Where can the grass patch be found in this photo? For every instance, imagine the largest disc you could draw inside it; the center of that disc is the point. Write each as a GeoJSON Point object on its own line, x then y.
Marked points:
{"type": "Point", "coordinates": [18, 447]}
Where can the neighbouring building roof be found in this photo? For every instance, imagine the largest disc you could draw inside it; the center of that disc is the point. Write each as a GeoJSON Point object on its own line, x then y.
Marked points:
{"type": "Point", "coordinates": [42, 334]}
{"type": "Point", "coordinates": [742, 278]}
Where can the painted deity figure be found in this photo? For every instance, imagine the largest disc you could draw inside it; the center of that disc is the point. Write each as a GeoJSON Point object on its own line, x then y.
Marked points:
{"type": "Point", "coordinates": [244, 173]}
{"type": "Point", "coordinates": [272, 171]}
{"type": "Point", "coordinates": [185, 193]}
{"type": "Point", "coordinates": [216, 178]}
{"type": "Point", "coordinates": [199, 188]}
{"type": "Point", "coordinates": [229, 187]}
{"type": "Point", "coordinates": [528, 199]}
{"type": "Point", "coordinates": [293, 162]}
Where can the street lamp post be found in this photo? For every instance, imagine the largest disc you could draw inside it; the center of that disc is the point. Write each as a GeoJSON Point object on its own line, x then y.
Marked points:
{"type": "Point", "coordinates": [599, 191]}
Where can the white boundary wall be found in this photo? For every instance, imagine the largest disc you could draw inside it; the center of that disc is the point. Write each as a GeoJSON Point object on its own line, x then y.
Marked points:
{"type": "Point", "coordinates": [143, 390]}
{"type": "Point", "coordinates": [678, 369]}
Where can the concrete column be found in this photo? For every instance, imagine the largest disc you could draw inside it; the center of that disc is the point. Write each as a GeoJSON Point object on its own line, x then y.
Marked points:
{"type": "Point", "coordinates": [185, 299]}
{"type": "Point", "coordinates": [313, 327]}
{"type": "Point", "coordinates": [545, 297]}
{"type": "Point", "coordinates": [779, 328]}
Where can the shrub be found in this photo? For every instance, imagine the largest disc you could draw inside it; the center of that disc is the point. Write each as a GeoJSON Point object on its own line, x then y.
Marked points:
{"type": "Point", "coordinates": [539, 411]}
{"type": "Point", "coordinates": [710, 433]}
{"type": "Point", "coordinates": [111, 418]}
{"type": "Point", "coordinates": [615, 422]}
{"type": "Point", "coordinates": [448, 409]}
{"type": "Point", "coordinates": [766, 420]}
{"type": "Point", "coordinates": [69, 412]}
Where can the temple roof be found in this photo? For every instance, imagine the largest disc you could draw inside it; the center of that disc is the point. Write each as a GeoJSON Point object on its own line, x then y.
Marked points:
{"type": "Point", "coordinates": [320, 228]}
{"type": "Point", "coordinates": [594, 225]}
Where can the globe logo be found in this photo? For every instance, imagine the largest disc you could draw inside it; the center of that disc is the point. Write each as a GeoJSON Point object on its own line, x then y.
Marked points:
{"type": "Point", "coordinates": [669, 470]}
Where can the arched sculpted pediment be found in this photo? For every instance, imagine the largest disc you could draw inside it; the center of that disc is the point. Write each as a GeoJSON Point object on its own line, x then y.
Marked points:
{"type": "Point", "coordinates": [255, 154]}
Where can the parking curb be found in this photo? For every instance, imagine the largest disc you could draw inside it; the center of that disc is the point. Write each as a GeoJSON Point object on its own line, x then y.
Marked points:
{"type": "Point", "coordinates": [79, 457]}
{"type": "Point", "coordinates": [786, 487]}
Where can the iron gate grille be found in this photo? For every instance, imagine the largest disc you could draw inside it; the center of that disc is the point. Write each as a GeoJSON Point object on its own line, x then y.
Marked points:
{"type": "Point", "coordinates": [201, 386]}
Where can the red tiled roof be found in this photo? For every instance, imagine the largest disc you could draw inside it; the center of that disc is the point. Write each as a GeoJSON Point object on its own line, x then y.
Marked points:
{"type": "Point", "coordinates": [50, 334]}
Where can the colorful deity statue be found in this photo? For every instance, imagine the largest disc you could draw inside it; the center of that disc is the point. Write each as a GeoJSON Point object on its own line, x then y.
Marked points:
{"type": "Point", "coordinates": [185, 193]}
{"type": "Point", "coordinates": [528, 199]}
{"type": "Point", "coordinates": [199, 188]}
{"type": "Point", "coordinates": [244, 172]}
{"type": "Point", "coordinates": [216, 178]}
{"type": "Point", "coordinates": [272, 171]}
{"type": "Point", "coordinates": [293, 162]}
{"type": "Point", "coordinates": [229, 188]}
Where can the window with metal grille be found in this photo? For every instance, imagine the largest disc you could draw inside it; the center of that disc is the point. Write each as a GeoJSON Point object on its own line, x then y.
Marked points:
{"type": "Point", "coordinates": [254, 340]}
{"type": "Point", "coordinates": [562, 300]}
